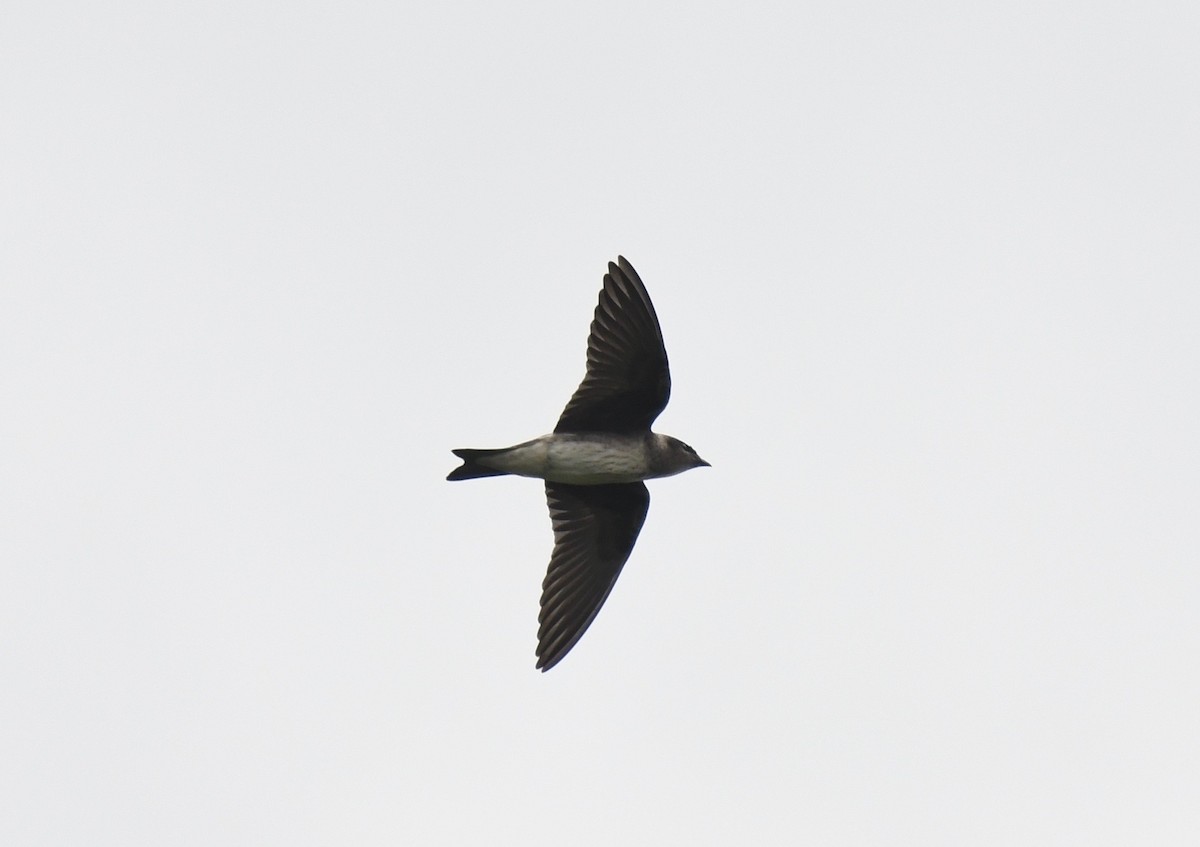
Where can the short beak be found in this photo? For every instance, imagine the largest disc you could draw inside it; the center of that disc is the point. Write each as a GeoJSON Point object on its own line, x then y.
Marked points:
{"type": "Point", "coordinates": [703, 464]}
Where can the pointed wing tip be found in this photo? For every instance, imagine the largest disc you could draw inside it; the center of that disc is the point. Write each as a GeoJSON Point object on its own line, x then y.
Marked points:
{"type": "Point", "coordinates": [622, 266]}
{"type": "Point", "coordinates": [626, 268]}
{"type": "Point", "coordinates": [545, 663]}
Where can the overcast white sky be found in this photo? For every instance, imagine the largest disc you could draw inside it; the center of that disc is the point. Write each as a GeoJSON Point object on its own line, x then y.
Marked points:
{"type": "Point", "coordinates": [929, 278]}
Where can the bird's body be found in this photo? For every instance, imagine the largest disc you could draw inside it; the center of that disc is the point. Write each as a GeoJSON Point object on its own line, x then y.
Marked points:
{"type": "Point", "coordinates": [595, 461]}
{"type": "Point", "coordinates": [582, 458]}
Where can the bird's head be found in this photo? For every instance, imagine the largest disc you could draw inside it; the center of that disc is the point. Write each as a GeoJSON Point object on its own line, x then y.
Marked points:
{"type": "Point", "coordinates": [677, 456]}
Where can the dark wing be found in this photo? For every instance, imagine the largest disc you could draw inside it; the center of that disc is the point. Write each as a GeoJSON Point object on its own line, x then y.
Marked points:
{"type": "Point", "coordinates": [595, 527]}
{"type": "Point", "coordinates": [628, 381]}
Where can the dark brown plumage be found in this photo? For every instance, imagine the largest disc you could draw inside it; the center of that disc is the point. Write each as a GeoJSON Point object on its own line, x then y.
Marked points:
{"type": "Point", "coordinates": [595, 460]}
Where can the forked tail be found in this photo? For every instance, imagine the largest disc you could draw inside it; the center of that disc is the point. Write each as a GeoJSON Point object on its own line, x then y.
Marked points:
{"type": "Point", "coordinates": [471, 468]}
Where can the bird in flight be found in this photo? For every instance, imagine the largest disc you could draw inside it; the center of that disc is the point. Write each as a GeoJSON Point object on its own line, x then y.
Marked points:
{"type": "Point", "coordinates": [595, 460]}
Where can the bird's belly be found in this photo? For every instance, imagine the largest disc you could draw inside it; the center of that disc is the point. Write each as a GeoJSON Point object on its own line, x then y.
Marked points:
{"type": "Point", "coordinates": [595, 462]}
{"type": "Point", "coordinates": [575, 459]}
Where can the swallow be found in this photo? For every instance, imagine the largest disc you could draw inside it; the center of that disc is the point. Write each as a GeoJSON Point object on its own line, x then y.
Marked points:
{"type": "Point", "coordinates": [595, 462]}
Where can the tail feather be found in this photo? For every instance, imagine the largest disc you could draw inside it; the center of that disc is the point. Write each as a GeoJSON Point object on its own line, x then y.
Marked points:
{"type": "Point", "coordinates": [471, 468]}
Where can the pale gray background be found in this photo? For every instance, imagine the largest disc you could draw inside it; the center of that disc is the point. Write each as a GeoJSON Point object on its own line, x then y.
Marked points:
{"type": "Point", "coordinates": [928, 275]}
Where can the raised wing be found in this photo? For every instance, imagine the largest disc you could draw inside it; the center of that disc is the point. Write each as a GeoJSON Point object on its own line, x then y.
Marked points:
{"type": "Point", "coordinates": [595, 527]}
{"type": "Point", "coordinates": [628, 381]}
